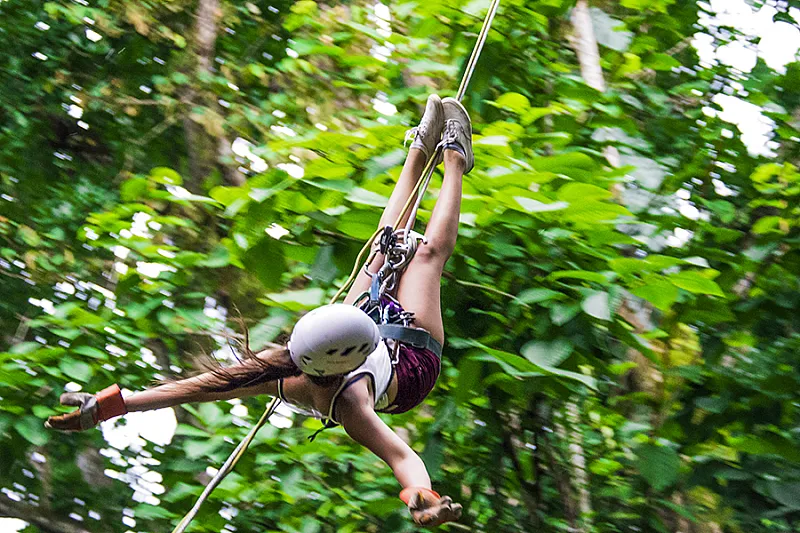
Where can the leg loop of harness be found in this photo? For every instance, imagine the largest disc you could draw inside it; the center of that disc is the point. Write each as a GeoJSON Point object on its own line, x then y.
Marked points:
{"type": "Point", "coordinates": [418, 338]}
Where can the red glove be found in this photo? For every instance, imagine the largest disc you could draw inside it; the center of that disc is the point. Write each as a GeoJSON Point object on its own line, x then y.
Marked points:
{"type": "Point", "coordinates": [94, 409]}
{"type": "Point", "coordinates": [428, 509]}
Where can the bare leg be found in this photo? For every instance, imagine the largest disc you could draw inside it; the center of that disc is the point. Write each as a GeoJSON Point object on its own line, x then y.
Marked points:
{"type": "Point", "coordinates": [419, 288]}
{"type": "Point", "coordinates": [412, 170]}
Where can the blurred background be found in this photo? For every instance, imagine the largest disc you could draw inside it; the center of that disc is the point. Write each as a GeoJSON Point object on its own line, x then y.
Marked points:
{"type": "Point", "coordinates": [621, 310]}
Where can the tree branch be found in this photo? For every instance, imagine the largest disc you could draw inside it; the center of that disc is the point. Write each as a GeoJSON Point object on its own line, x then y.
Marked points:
{"type": "Point", "coordinates": [33, 515]}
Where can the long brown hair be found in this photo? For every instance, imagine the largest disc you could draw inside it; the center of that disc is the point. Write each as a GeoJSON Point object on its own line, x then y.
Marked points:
{"type": "Point", "coordinates": [270, 364]}
{"type": "Point", "coordinates": [252, 369]}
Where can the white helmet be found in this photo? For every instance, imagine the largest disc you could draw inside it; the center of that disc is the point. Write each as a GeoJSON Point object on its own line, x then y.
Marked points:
{"type": "Point", "coordinates": [333, 339]}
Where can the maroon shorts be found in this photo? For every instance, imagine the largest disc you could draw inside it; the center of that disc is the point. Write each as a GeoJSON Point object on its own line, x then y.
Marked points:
{"type": "Point", "coordinates": [417, 370]}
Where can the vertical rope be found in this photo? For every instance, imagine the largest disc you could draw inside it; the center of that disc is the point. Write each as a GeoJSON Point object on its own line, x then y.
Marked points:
{"type": "Point", "coordinates": [476, 51]}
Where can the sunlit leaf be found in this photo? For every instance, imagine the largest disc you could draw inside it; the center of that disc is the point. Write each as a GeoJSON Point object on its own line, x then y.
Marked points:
{"type": "Point", "coordinates": [77, 370]}
{"type": "Point", "coordinates": [597, 305]}
{"type": "Point", "coordinates": [695, 282]}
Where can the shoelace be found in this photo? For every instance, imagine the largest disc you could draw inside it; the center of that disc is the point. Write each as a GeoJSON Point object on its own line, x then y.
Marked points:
{"type": "Point", "coordinates": [450, 134]}
{"type": "Point", "coordinates": [416, 131]}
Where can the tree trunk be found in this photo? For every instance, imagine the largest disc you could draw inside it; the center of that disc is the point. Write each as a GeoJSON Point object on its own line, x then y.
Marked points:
{"type": "Point", "coordinates": [561, 476]}
{"type": "Point", "coordinates": [527, 489]}
{"type": "Point", "coordinates": [578, 461]}
{"type": "Point", "coordinates": [206, 144]}
{"type": "Point", "coordinates": [585, 44]}
{"type": "Point", "coordinates": [567, 429]}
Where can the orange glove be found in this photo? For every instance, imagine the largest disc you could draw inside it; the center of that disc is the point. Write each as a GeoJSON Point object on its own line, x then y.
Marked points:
{"type": "Point", "coordinates": [428, 509]}
{"type": "Point", "coordinates": [94, 409]}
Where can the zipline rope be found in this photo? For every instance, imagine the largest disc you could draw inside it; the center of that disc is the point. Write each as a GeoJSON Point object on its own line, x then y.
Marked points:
{"type": "Point", "coordinates": [419, 191]}
{"type": "Point", "coordinates": [425, 179]}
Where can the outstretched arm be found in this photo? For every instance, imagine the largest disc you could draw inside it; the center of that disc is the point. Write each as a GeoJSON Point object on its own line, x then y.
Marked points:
{"type": "Point", "coordinates": [189, 391]}
{"type": "Point", "coordinates": [362, 423]}
{"type": "Point", "coordinates": [248, 378]}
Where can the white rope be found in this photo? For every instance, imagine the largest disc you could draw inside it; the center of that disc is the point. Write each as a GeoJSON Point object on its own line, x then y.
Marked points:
{"type": "Point", "coordinates": [462, 89]}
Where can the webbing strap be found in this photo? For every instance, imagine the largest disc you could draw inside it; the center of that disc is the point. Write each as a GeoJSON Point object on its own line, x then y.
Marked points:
{"type": "Point", "coordinates": [418, 338]}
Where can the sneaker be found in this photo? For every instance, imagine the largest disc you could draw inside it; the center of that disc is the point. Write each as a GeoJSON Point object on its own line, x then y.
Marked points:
{"type": "Point", "coordinates": [429, 132]}
{"type": "Point", "coordinates": [457, 134]}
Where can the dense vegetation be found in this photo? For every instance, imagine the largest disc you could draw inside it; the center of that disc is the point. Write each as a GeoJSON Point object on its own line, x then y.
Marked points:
{"type": "Point", "coordinates": [622, 308]}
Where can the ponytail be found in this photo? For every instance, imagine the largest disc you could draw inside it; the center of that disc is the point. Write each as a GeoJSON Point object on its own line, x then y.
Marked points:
{"type": "Point", "coordinates": [254, 369]}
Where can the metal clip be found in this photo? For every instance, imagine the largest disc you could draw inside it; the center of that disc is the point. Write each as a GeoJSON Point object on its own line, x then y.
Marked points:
{"type": "Point", "coordinates": [375, 288]}
{"type": "Point", "coordinates": [388, 239]}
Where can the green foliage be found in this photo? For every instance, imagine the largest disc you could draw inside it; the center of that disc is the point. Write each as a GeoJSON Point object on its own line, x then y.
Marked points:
{"type": "Point", "coordinates": [134, 243]}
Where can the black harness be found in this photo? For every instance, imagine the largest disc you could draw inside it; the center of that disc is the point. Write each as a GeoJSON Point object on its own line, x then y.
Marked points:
{"type": "Point", "coordinates": [392, 320]}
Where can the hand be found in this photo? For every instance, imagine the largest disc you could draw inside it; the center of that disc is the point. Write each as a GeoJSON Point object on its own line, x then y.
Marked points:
{"type": "Point", "coordinates": [428, 510]}
{"type": "Point", "coordinates": [93, 409]}
{"type": "Point", "coordinates": [84, 418]}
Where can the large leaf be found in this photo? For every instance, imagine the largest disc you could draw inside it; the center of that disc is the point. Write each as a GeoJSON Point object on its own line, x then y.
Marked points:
{"type": "Point", "coordinates": [32, 429]}
{"type": "Point", "coordinates": [547, 354]}
{"type": "Point", "coordinates": [537, 295]}
{"type": "Point", "coordinates": [520, 367]}
{"type": "Point", "coordinates": [659, 292]}
{"type": "Point", "coordinates": [581, 192]}
{"type": "Point", "coordinates": [514, 102]}
{"type": "Point", "coordinates": [266, 261]}
{"type": "Point", "coordinates": [658, 465]}
{"type": "Point", "coordinates": [77, 370]}
{"type": "Point", "coordinates": [597, 304]}
{"type": "Point", "coordinates": [297, 300]}
{"type": "Point", "coordinates": [695, 282]}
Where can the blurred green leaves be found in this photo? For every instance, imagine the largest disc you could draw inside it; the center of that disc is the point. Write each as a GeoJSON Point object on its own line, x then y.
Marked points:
{"type": "Point", "coordinates": [131, 244]}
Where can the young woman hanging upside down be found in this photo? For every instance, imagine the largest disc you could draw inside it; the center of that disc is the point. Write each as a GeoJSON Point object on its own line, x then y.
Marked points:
{"type": "Point", "coordinates": [334, 347]}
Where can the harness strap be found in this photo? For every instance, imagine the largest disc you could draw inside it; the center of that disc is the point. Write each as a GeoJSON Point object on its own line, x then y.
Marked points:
{"type": "Point", "coordinates": [418, 338]}
{"type": "Point", "coordinates": [327, 424]}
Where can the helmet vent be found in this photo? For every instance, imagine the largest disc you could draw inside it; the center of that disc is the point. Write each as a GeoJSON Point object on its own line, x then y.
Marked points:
{"type": "Point", "coordinates": [364, 347]}
{"type": "Point", "coordinates": [332, 351]}
{"type": "Point", "coordinates": [347, 351]}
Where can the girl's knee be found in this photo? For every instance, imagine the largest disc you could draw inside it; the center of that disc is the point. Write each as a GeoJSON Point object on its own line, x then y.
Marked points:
{"type": "Point", "coordinates": [434, 251]}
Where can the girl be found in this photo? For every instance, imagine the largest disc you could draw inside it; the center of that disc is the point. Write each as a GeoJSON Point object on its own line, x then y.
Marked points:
{"type": "Point", "coordinates": [333, 347]}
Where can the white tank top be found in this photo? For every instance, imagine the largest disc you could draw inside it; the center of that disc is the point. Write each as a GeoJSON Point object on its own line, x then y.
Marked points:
{"type": "Point", "coordinates": [377, 367]}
